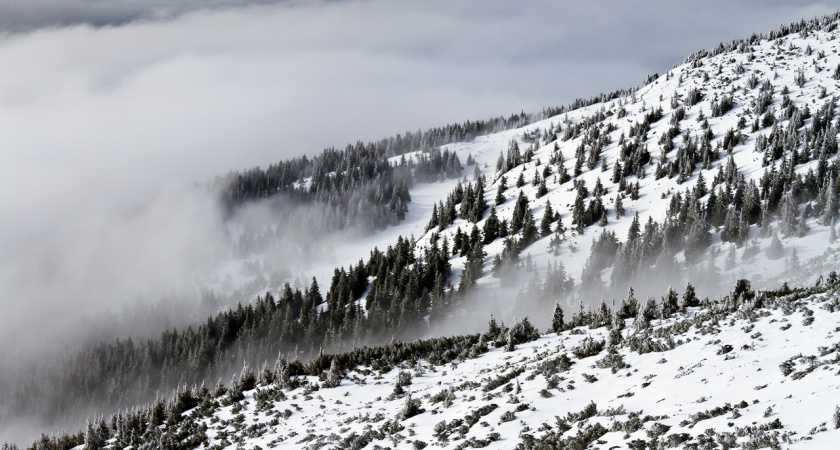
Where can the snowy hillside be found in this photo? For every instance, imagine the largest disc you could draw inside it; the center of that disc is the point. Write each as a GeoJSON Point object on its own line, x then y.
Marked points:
{"type": "Point", "coordinates": [732, 116]}
{"type": "Point", "coordinates": [722, 172]}
{"type": "Point", "coordinates": [766, 107]}
{"type": "Point", "coordinates": [755, 370]}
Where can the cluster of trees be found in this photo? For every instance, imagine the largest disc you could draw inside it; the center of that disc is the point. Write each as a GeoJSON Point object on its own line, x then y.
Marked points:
{"type": "Point", "coordinates": [403, 290]}
{"type": "Point", "coordinates": [468, 202]}
{"type": "Point", "coordinates": [437, 165]}
{"type": "Point", "coordinates": [731, 204]}
{"type": "Point", "coordinates": [804, 28]}
{"type": "Point", "coordinates": [162, 423]}
{"type": "Point", "coordinates": [357, 187]}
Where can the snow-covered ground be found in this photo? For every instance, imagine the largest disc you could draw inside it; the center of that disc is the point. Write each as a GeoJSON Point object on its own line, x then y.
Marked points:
{"type": "Point", "coordinates": [752, 376]}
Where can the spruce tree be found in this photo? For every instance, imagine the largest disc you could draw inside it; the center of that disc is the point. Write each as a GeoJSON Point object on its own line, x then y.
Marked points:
{"type": "Point", "coordinates": [619, 206]}
{"type": "Point", "coordinates": [642, 322]}
{"type": "Point", "coordinates": [491, 227]}
{"type": "Point", "coordinates": [557, 319]}
{"type": "Point", "coordinates": [788, 222]}
{"type": "Point", "coordinates": [510, 345]}
{"type": "Point", "coordinates": [542, 190]}
{"type": "Point", "coordinates": [775, 250]}
{"type": "Point", "coordinates": [670, 303]}
{"type": "Point", "coordinates": [519, 210]}
{"type": "Point", "coordinates": [43, 443]}
{"type": "Point", "coordinates": [793, 264]}
{"type": "Point", "coordinates": [835, 419]}
{"type": "Point", "coordinates": [500, 191]}
{"type": "Point", "coordinates": [529, 229]}
{"type": "Point", "coordinates": [830, 211]}
{"type": "Point", "coordinates": [730, 259]}
{"type": "Point", "coordinates": [547, 219]}
{"type": "Point", "coordinates": [689, 298]}
{"type": "Point", "coordinates": [93, 438]}
{"type": "Point", "coordinates": [617, 174]}
{"type": "Point", "coordinates": [635, 229]}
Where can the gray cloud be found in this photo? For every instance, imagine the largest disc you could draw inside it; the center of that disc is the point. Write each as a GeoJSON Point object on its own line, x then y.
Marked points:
{"type": "Point", "coordinates": [17, 16]}
{"type": "Point", "coordinates": [103, 103]}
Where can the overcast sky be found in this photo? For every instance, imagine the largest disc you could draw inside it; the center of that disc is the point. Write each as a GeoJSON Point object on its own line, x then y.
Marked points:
{"type": "Point", "coordinates": [104, 102]}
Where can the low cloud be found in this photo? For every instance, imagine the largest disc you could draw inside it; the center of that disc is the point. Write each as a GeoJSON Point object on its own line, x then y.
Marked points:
{"type": "Point", "coordinates": [107, 105]}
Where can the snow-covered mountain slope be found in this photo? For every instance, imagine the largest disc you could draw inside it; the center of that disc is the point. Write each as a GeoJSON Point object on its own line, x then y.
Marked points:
{"type": "Point", "coordinates": [752, 371]}
{"type": "Point", "coordinates": [726, 168]}
{"type": "Point", "coordinates": [730, 102]}
{"type": "Point", "coordinates": [750, 105]}
{"type": "Point", "coordinates": [715, 103]}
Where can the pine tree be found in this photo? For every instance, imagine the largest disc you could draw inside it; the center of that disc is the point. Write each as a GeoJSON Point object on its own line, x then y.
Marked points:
{"type": "Point", "coordinates": [835, 419]}
{"type": "Point", "coordinates": [670, 303]}
{"type": "Point", "coordinates": [493, 328]}
{"type": "Point", "coordinates": [43, 443]}
{"type": "Point", "coordinates": [775, 250]}
{"type": "Point", "coordinates": [510, 345]}
{"type": "Point", "coordinates": [547, 219]}
{"type": "Point", "coordinates": [500, 192]}
{"type": "Point", "coordinates": [93, 438]}
{"type": "Point", "coordinates": [689, 298]}
{"type": "Point", "coordinates": [529, 229]}
{"type": "Point", "coordinates": [830, 211]}
{"type": "Point", "coordinates": [449, 398]}
{"type": "Point", "coordinates": [700, 189]}
{"type": "Point", "coordinates": [410, 408]}
{"type": "Point", "coordinates": [619, 206]}
{"type": "Point", "coordinates": [578, 218]}
{"type": "Point", "coordinates": [642, 323]}
{"type": "Point", "coordinates": [542, 190]}
{"type": "Point", "coordinates": [635, 229]}
{"type": "Point", "coordinates": [333, 376]}
{"type": "Point", "coordinates": [788, 222]}
{"type": "Point", "coordinates": [479, 205]}
{"type": "Point", "coordinates": [433, 222]}
{"type": "Point", "coordinates": [557, 319]}
{"type": "Point", "coordinates": [793, 264]}
{"type": "Point", "coordinates": [617, 172]}
{"type": "Point", "coordinates": [559, 228]}
{"type": "Point", "coordinates": [730, 258]}
{"type": "Point", "coordinates": [697, 239]}
{"type": "Point", "coordinates": [473, 269]}
{"type": "Point", "coordinates": [519, 210]}
{"type": "Point", "coordinates": [491, 227]}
